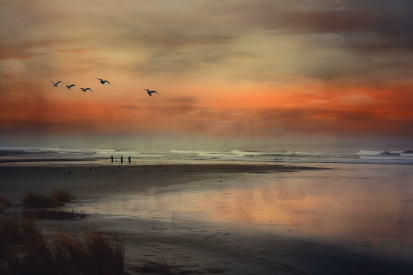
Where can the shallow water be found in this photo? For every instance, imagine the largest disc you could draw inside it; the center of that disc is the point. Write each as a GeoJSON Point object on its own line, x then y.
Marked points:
{"type": "Point", "coordinates": [364, 208]}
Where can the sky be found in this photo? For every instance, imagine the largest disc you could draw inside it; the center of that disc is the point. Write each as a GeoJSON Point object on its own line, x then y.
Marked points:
{"type": "Point", "coordinates": [222, 68]}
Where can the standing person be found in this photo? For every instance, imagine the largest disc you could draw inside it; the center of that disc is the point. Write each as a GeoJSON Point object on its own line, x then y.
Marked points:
{"type": "Point", "coordinates": [121, 159]}
{"type": "Point", "coordinates": [111, 158]}
{"type": "Point", "coordinates": [129, 158]}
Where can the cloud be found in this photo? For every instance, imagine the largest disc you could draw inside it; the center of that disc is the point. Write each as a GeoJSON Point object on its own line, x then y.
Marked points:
{"type": "Point", "coordinates": [27, 49]}
{"type": "Point", "coordinates": [174, 40]}
{"type": "Point", "coordinates": [9, 51]}
{"type": "Point", "coordinates": [76, 51]}
{"type": "Point", "coordinates": [26, 27]}
{"type": "Point", "coordinates": [390, 20]}
{"type": "Point", "coordinates": [130, 107]}
{"type": "Point", "coordinates": [19, 18]}
{"type": "Point", "coordinates": [189, 62]}
{"type": "Point", "coordinates": [366, 111]}
{"type": "Point", "coordinates": [391, 17]}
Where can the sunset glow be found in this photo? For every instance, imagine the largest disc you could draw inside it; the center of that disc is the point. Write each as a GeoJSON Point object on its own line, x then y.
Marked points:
{"type": "Point", "coordinates": [251, 68]}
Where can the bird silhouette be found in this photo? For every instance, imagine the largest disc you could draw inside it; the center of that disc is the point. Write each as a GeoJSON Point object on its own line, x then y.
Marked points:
{"type": "Point", "coordinates": [150, 92]}
{"type": "Point", "coordinates": [55, 84]}
{"type": "Point", "coordinates": [85, 89]}
{"type": "Point", "coordinates": [70, 86]}
{"type": "Point", "coordinates": [103, 81]}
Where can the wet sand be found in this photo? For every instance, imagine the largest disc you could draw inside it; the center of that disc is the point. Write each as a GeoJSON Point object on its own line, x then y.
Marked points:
{"type": "Point", "coordinates": [199, 245]}
{"type": "Point", "coordinates": [100, 181]}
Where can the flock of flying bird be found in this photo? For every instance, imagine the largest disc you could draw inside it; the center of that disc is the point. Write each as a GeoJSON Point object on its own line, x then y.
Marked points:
{"type": "Point", "coordinates": [102, 82]}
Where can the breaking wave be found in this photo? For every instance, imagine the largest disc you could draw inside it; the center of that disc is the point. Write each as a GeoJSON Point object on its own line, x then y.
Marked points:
{"type": "Point", "coordinates": [327, 155]}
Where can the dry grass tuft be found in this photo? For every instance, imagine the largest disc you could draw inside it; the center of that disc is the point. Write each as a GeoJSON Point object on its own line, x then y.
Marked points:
{"type": "Point", "coordinates": [25, 249]}
{"type": "Point", "coordinates": [38, 200]}
{"type": "Point", "coordinates": [162, 266]}
{"type": "Point", "coordinates": [57, 215]}
{"type": "Point", "coordinates": [62, 195]}
{"type": "Point", "coordinates": [9, 229]}
{"type": "Point", "coordinates": [4, 203]}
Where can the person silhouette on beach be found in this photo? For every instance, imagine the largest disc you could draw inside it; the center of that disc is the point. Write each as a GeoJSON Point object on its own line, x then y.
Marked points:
{"type": "Point", "coordinates": [121, 159]}
{"type": "Point", "coordinates": [111, 158]}
{"type": "Point", "coordinates": [129, 159]}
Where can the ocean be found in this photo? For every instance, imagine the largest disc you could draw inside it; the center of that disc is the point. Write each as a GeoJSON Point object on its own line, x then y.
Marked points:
{"type": "Point", "coordinates": [362, 153]}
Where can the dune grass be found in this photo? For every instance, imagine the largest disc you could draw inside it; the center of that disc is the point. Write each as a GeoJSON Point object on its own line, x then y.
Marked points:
{"type": "Point", "coordinates": [62, 195]}
{"type": "Point", "coordinates": [50, 214]}
{"type": "Point", "coordinates": [25, 249]}
{"type": "Point", "coordinates": [38, 200]}
{"type": "Point", "coordinates": [4, 203]}
{"type": "Point", "coordinates": [163, 265]}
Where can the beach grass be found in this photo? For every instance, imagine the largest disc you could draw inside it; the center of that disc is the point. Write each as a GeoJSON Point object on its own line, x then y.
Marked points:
{"type": "Point", "coordinates": [51, 214]}
{"type": "Point", "coordinates": [4, 203]}
{"type": "Point", "coordinates": [25, 249]}
{"type": "Point", "coordinates": [163, 265]}
{"type": "Point", "coordinates": [38, 200]}
{"type": "Point", "coordinates": [62, 195]}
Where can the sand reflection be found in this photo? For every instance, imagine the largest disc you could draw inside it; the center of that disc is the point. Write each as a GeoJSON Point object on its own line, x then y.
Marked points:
{"type": "Point", "coordinates": [366, 204]}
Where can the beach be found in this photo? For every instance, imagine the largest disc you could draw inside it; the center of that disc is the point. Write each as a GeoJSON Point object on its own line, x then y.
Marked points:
{"type": "Point", "coordinates": [206, 137]}
{"type": "Point", "coordinates": [241, 218]}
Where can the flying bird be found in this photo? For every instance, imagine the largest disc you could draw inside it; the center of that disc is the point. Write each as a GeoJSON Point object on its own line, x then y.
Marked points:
{"type": "Point", "coordinates": [70, 86]}
{"type": "Point", "coordinates": [85, 89]}
{"type": "Point", "coordinates": [103, 81]}
{"type": "Point", "coordinates": [150, 92]}
{"type": "Point", "coordinates": [55, 84]}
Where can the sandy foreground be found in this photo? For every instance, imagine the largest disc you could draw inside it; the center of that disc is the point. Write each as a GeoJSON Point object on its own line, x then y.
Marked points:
{"type": "Point", "coordinates": [197, 246]}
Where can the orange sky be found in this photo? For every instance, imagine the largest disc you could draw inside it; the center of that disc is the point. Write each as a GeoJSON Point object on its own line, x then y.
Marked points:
{"type": "Point", "coordinates": [237, 68]}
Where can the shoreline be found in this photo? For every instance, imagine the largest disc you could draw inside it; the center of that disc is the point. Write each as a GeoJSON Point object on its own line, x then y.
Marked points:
{"type": "Point", "coordinates": [93, 181]}
{"type": "Point", "coordinates": [13, 162]}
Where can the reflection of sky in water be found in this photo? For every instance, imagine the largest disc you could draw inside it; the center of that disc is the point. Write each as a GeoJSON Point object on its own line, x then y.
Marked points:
{"type": "Point", "coordinates": [365, 204]}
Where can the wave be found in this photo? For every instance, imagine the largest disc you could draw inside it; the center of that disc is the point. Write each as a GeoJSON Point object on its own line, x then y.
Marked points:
{"type": "Point", "coordinates": [365, 153]}
{"type": "Point", "coordinates": [370, 152]}
{"type": "Point", "coordinates": [247, 153]}
{"type": "Point", "coordinates": [243, 153]}
{"type": "Point", "coordinates": [218, 155]}
{"type": "Point", "coordinates": [304, 155]}
{"type": "Point", "coordinates": [232, 153]}
{"type": "Point", "coordinates": [191, 152]}
{"type": "Point", "coordinates": [301, 153]}
{"type": "Point", "coordinates": [148, 156]}
{"type": "Point", "coordinates": [390, 157]}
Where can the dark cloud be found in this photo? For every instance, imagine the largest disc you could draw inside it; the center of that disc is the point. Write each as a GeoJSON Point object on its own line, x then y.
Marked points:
{"type": "Point", "coordinates": [333, 122]}
{"type": "Point", "coordinates": [390, 20]}
{"type": "Point", "coordinates": [355, 19]}
{"type": "Point", "coordinates": [390, 17]}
